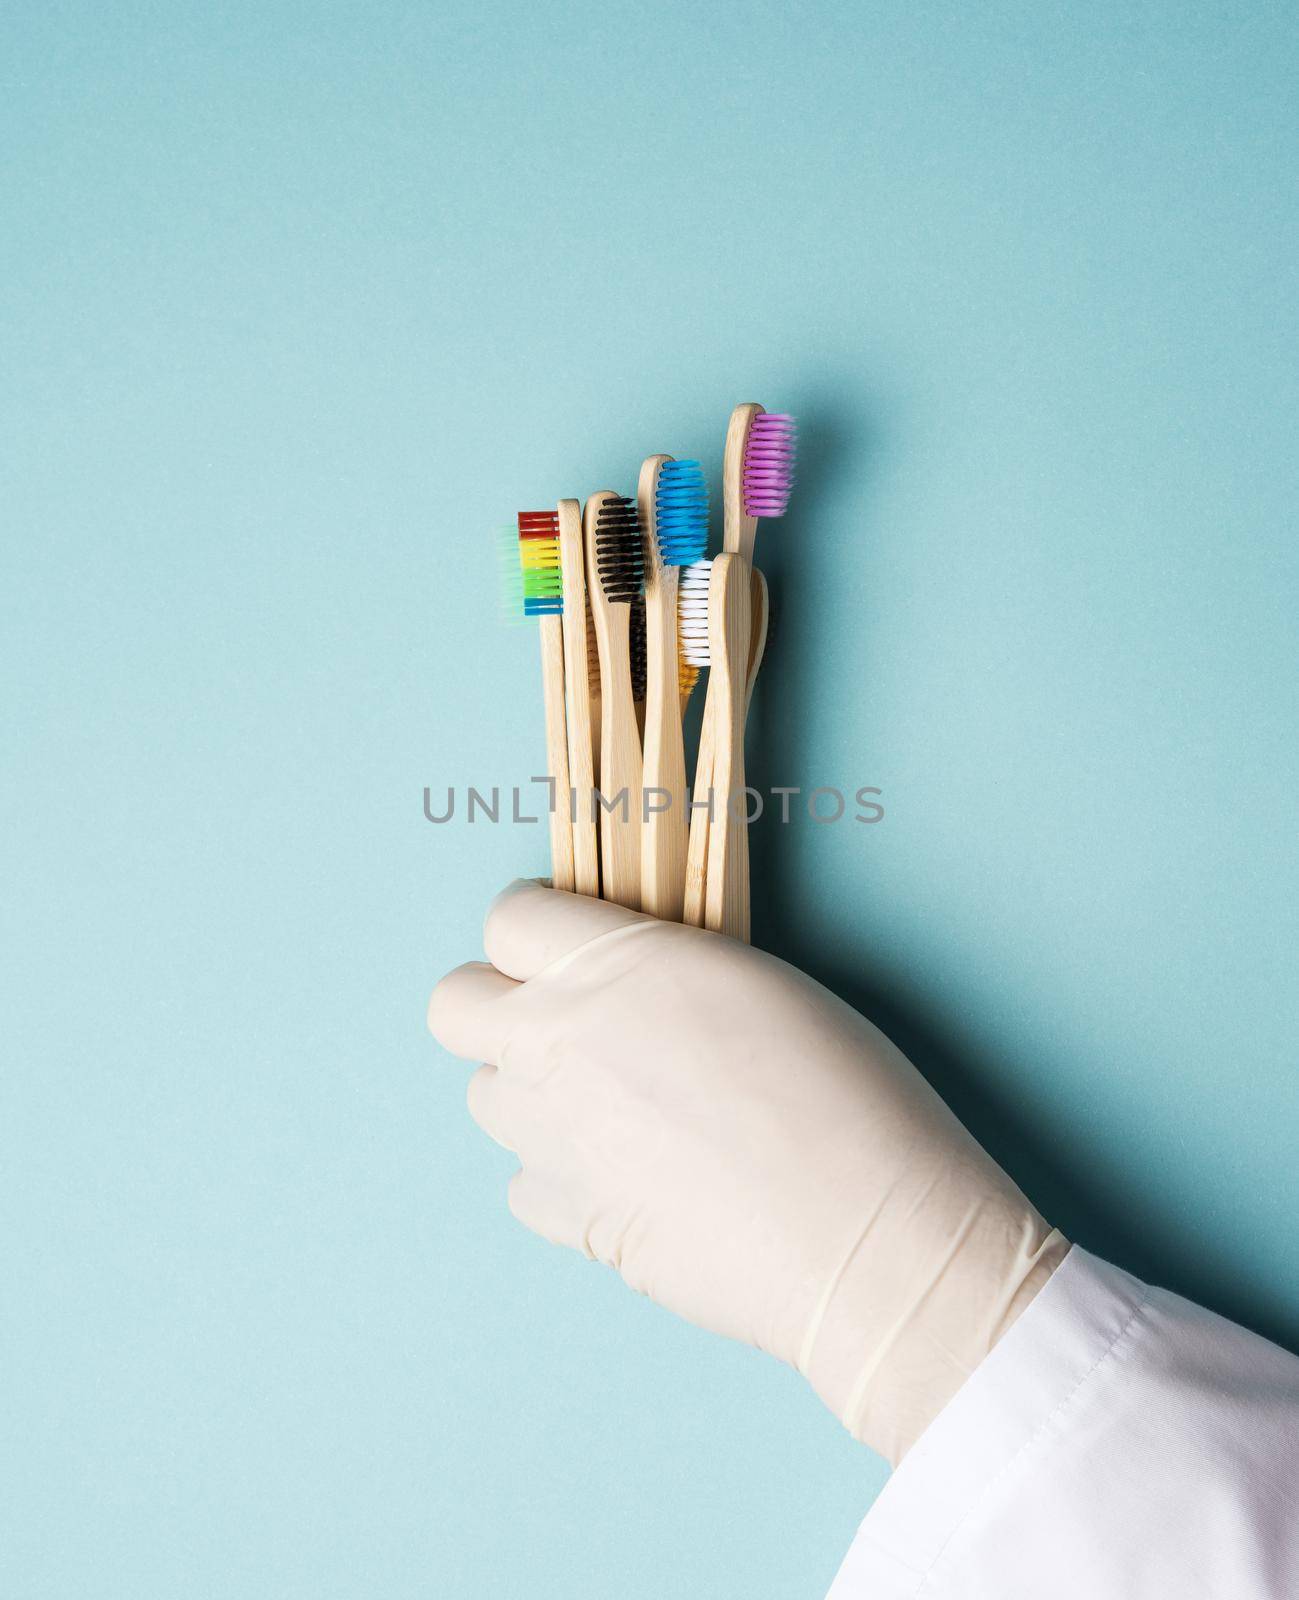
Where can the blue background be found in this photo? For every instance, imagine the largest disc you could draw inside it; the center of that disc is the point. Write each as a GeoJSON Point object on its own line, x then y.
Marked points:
{"type": "Point", "coordinates": [299, 303]}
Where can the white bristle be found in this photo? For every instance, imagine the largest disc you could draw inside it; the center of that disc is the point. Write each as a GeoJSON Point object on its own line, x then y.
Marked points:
{"type": "Point", "coordinates": [692, 612]}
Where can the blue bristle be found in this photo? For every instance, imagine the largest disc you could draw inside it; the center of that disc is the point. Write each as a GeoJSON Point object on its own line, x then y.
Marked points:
{"type": "Point", "coordinates": [543, 608]}
{"type": "Point", "coordinates": [681, 513]}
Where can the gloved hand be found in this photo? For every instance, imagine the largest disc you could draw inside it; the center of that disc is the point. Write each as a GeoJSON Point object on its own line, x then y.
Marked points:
{"type": "Point", "coordinates": [745, 1149]}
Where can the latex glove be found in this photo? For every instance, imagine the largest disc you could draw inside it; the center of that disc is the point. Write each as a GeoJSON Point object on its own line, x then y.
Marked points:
{"type": "Point", "coordinates": [745, 1149]}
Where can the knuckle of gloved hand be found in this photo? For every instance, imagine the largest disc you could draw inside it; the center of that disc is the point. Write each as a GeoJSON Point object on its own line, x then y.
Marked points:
{"type": "Point", "coordinates": [445, 1004]}
{"type": "Point", "coordinates": [541, 1206]}
{"type": "Point", "coordinates": [479, 1095]}
{"type": "Point", "coordinates": [504, 909]}
{"type": "Point", "coordinates": [521, 1197]}
{"type": "Point", "coordinates": [604, 1234]}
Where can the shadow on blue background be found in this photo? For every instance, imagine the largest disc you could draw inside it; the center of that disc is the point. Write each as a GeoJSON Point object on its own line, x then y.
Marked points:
{"type": "Point", "coordinates": [1042, 1157]}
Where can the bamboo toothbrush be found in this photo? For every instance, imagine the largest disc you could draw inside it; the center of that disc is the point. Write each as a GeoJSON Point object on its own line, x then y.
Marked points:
{"type": "Point", "coordinates": [757, 475]}
{"type": "Point", "coordinates": [673, 502]}
{"type": "Point", "coordinates": [695, 655]}
{"type": "Point", "coordinates": [759, 630]}
{"type": "Point", "coordinates": [692, 628]}
{"type": "Point", "coordinates": [543, 598]}
{"type": "Point", "coordinates": [688, 673]}
{"type": "Point", "coordinates": [726, 903]}
{"type": "Point", "coordinates": [639, 661]}
{"type": "Point", "coordinates": [582, 692]}
{"type": "Point", "coordinates": [615, 553]}
{"type": "Point", "coordinates": [593, 661]}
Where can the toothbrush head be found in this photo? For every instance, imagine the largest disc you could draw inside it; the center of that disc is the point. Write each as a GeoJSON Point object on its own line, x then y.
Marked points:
{"type": "Point", "coordinates": [769, 464]}
{"type": "Point", "coordinates": [619, 549]}
{"type": "Point", "coordinates": [543, 582]}
{"type": "Point", "coordinates": [692, 620]}
{"type": "Point", "coordinates": [681, 513]}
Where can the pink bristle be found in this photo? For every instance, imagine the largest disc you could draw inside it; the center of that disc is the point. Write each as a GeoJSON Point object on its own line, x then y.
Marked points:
{"type": "Point", "coordinates": [768, 464]}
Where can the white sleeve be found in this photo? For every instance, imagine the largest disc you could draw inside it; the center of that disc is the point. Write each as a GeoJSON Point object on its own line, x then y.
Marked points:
{"type": "Point", "coordinates": [1119, 1443]}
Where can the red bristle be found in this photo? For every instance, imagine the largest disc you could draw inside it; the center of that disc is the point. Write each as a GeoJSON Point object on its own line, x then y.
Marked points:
{"type": "Point", "coordinates": [538, 524]}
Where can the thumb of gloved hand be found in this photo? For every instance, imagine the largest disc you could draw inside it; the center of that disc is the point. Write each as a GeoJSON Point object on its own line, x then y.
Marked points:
{"type": "Point", "coordinates": [745, 1149]}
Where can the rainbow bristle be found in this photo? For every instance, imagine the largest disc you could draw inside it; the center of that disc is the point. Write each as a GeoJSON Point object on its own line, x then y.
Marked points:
{"type": "Point", "coordinates": [543, 581]}
{"type": "Point", "coordinates": [692, 616]}
{"type": "Point", "coordinates": [769, 464]}
{"type": "Point", "coordinates": [681, 513]}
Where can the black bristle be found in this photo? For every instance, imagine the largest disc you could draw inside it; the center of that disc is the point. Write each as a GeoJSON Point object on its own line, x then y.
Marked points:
{"type": "Point", "coordinates": [637, 652]}
{"type": "Point", "coordinates": [619, 549]}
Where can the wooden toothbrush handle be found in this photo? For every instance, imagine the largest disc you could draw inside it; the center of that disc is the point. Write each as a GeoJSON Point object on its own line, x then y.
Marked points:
{"type": "Point", "coordinates": [697, 862]}
{"type": "Point", "coordinates": [663, 834]}
{"type": "Point", "coordinates": [552, 687]}
{"type": "Point", "coordinates": [577, 700]}
{"type": "Point", "coordinates": [759, 615]}
{"type": "Point", "coordinates": [620, 766]}
{"type": "Point", "coordinates": [726, 904]}
{"type": "Point", "coordinates": [738, 528]}
{"type": "Point", "coordinates": [696, 882]}
{"type": "Point", "coordinates": [738, 533]}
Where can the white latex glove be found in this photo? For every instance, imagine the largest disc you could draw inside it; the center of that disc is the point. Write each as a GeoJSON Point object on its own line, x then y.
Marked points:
{"type": "Point", "coordinates": [745, 1149]}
